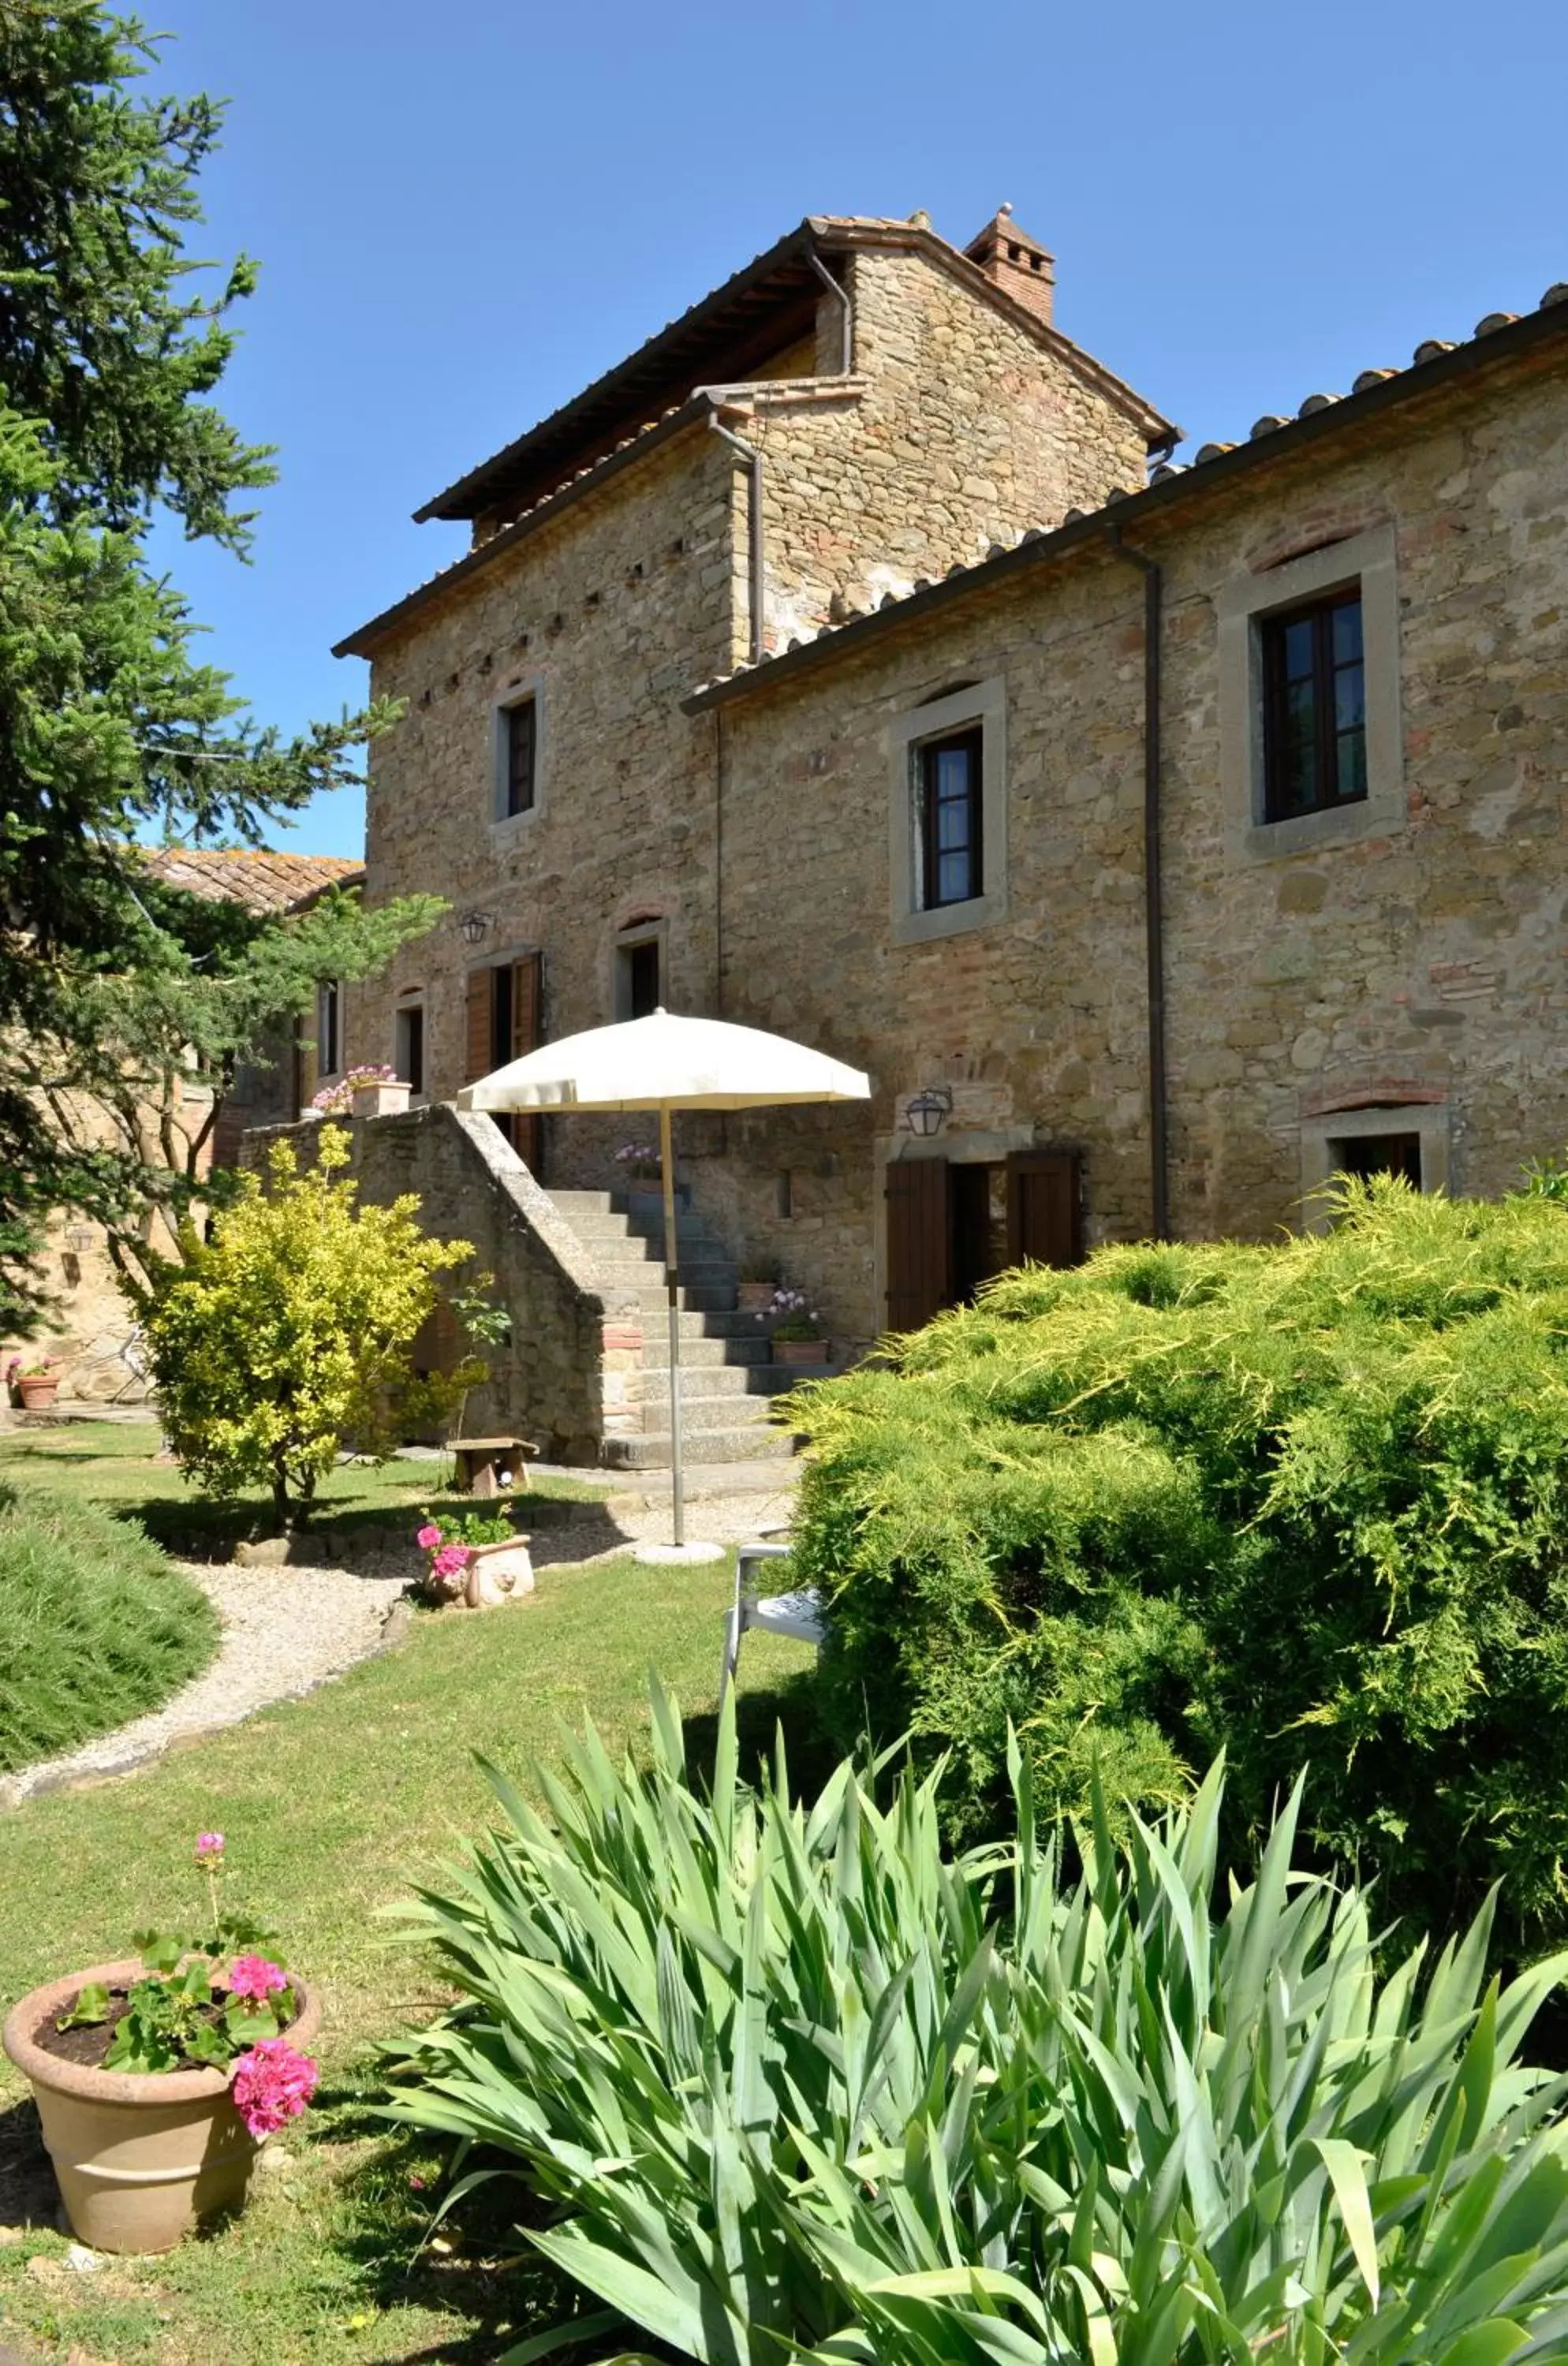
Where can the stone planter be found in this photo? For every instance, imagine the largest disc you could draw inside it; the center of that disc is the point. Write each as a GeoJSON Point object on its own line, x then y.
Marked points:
{"type": "Point", "coordinates": [381, 1100]}
{"type": "Point", "coordinates": [754, 1297]}
{"type": "Point", "coordinates": [38, 1395]}
{"type": "Point", "coordinates": [140, 2160]}
{"type": "Point", "coordinates": [799, 1351]}
{"type": "Point", "coordinates": [497, 1574]}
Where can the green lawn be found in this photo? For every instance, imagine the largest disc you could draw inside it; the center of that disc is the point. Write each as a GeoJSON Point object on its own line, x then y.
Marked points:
{"type": "Point", "coordinates": [329, 1806]}
{"type": "Point", "coordinates": [113, 1463]}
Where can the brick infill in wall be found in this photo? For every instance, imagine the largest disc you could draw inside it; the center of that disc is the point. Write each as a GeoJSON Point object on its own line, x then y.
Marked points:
{"type": "Point", "coordinates": [621, 1369]}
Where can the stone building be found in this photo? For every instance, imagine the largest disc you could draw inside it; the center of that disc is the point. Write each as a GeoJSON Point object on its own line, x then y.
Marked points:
{"type": "Point", "coordinates": [1160, 840]}
{"type": "Point", "coordinates": [91, 1331]}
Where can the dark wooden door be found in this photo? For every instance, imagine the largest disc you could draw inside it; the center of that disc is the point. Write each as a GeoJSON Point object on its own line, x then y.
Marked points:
{"type": "Point", "coordinates": [1043, 1226]}
{"type": "Point", "coordinates": [919, 1242]}
{"type": "Point", "coordinates": [503, 1021]}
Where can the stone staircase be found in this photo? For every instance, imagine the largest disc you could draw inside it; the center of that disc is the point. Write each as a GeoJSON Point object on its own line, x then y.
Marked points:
{"type": "Point", "coordinates": [727, 1376]}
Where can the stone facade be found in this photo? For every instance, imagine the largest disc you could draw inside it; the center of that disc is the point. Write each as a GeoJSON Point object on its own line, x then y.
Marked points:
{"type": "Point", "coordinates": [561, 1381]}
{"type": "Point", "coordinates": [964, 417]}
{"type": "Point", "coordinates": [1389, 967]}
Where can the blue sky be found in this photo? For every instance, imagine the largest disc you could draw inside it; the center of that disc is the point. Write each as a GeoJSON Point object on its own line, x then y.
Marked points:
{"type": "Point", "coordinates": [465, 213]}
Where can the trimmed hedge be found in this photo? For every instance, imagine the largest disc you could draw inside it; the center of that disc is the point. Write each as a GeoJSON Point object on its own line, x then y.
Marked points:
{"type": "Point", "coordinates": [1305, 1502]}
{"type": "Point", "coordinates": [96, 1626]}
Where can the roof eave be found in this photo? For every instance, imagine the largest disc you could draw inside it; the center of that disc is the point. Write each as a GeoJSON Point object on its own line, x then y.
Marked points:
{"type": "Point", "coordinates": [362, 641]}
{"type": "Point", "coordinates": [455, 503]}
{"type": "Point", "coordinates": [1151, 501]}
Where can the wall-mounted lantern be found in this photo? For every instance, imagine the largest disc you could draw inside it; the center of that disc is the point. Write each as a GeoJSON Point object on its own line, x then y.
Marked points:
{"type": "Point", "coordinates": [476, 926]}
{"type": "Point", "coordinates": [927, 1112]}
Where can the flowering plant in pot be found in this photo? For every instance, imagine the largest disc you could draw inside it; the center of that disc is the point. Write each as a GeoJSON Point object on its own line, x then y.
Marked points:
{"type": "Point", "coordinates": [158, 2078]}
{"type": "Point", "coordinates": [758, 1286]}
{"type": "Point", "coordinates": [475, 1558]}
{"type": "Point", "coordinates": [639, 1160]}
{"type": "Point", "coordinates": [372, 1077]}
{"type": "Point", "coordinates": [35, 1377]}
{"type": "Point", "coordinates": [797, 1328]}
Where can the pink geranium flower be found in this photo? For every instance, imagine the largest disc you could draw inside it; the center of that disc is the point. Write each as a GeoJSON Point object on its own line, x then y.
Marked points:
{"type": "Point", "coordinates": [210, 1848]}
{"type": "Point", "coordinates": [428, 1537]}
{"type": "Point", "coordinates": [452, 1560]}
{"type": "Point", "coordinates": [256, 1978]}
{"type": "Point", "coordinates": [271, 2085]}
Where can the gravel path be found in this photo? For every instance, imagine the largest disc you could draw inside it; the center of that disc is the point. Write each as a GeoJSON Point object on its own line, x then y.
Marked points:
{"type": "Point", "coordinates": [288, 1628]}
{"type": "Point", "coordinates": [285, 1631]}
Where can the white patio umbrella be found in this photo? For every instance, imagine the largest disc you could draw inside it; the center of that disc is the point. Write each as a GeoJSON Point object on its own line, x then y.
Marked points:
{"type": "Point", "coordinates": [665, 1062]}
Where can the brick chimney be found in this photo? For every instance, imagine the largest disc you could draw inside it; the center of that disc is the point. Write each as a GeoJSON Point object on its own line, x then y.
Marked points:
{"type": "Point", "coordinates": [1010, 259]}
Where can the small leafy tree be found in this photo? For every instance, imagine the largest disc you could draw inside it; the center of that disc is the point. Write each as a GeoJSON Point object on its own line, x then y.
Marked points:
{"type": "Point", "coordinates": [288, 1334]}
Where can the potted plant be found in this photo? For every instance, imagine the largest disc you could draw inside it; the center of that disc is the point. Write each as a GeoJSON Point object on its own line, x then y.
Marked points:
{"type": "Point", "coordinates": [371, 1089]}
{"type": "Point", "coordinates": [159, 2077]}
{"type": "Point", "coordinates": [797, 1329]}
{"type": "Point", "coordinates": [475, 1558]}
{"type": "Point", "coordinates": [638, 1161]}
{"type": "Point", "coordinates": [36, 1379]}
{"type": "Point", "coordinates": [758, 1285]}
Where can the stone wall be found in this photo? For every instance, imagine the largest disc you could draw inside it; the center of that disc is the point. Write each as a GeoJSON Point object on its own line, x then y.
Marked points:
{"type": "Point", "coordinates": [562, 1380]}
{"type": "Point", "coordinates": [960, 423]}
{"type": "Point", "coordinates": [1420, 966]}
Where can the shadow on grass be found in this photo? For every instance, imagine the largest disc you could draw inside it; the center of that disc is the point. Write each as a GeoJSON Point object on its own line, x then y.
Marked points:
{"type": "Point", "coordinates": [788, 1709]}
{"type": "Point", "coordinates": [476, 2267]}
{"type": "Point", "coordinates": [29, 2200]}
{"type": "Point", "coordinates": [352, 1532]}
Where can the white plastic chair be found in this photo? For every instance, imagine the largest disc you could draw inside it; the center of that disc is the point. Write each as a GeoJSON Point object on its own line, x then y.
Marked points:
{"type": "Point", "coordinates": [802, 1613]}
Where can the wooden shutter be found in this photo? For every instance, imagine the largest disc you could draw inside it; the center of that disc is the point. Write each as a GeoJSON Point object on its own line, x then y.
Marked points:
{"type": "Point", "coordinates": [305, 1069]}
{"type": "Point", "coordinates": [1043, 1208]}
{"type": "Point", "coordinates": [919, 1242]}
{"type": "Point", "coordinates": [476, 1061]}
{"type": "Point", "coordinates": [527, 985]}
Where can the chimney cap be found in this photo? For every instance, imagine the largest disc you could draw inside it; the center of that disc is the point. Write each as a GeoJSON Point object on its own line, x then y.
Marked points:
{"type": "Point", "coordinates": [1001, 232]}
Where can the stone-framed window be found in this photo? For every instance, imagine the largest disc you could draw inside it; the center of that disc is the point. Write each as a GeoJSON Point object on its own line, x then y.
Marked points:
{"type": "Point", "coordinates": [1285, 637]}
{"type": "Point", "coordinates": [1411, 1140]}
{"type": "Point", "coordinates": [517, 750]}
{"type": "Point", "coordinates": [409, 1053]}
{"type": "Point", "coordinates": [328, 1030]}
{"type": "Point", "coordinates": [640, 958]}
{"type": "Point", "coordinates": [947, 821]}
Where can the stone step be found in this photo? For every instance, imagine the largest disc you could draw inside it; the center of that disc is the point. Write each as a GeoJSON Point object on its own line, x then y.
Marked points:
{"type": "Point", "coordinates": [753, 1442]}
{"type": "Point", "coordinates": [704, 1412]}
{"type": "Point", "coordinates": [729, 1381]}
{"type": "Point", "coordinates": [599, 1233]}
{"type": "Point", "coordinates": [649, 1274]}
{"type": "Point", "coordinates": [649, 1301]}
{"type": "Point", "coordinates": [699, 1353]}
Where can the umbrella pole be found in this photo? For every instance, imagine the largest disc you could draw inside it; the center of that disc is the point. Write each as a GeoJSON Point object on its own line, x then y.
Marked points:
{"type": "Point", "coordinates": [672, 1283]}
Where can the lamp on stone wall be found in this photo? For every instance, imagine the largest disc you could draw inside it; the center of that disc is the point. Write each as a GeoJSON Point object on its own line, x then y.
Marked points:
{"type": "Point", "coordinates": [476, 926]}
{"type": "Point", "coordinates": [927, 1112]}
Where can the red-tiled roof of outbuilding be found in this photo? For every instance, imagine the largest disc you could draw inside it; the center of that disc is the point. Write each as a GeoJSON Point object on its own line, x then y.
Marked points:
{"type": "Point", "coordinates": [261, 877]}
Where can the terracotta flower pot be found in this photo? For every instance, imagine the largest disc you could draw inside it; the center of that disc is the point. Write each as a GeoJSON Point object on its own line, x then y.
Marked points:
{"type": "Point", "coordinates": [140, 2160]}
{"type": "Point", "coordinates": [754, 1297]}
{"type": "Point", "coordinates": [38, 1394]}
{"type": "Point", "coordinates": [381, 1100]}
{"type": "Point", "coordinates": [799, 1351]}
{"type": "Point", "coordinates": [500, 1572]}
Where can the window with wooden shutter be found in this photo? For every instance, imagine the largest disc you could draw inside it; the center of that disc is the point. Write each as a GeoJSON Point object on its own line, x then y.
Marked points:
{"type": "Point", "coordinates": [1043, 1226]}
{"type": "Point", "coordinates": [476, 1061]}
{"type": "Point", "coordinates": [919, 1242]}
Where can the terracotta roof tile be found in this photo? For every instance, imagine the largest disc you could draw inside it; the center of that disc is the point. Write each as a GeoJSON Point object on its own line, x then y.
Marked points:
{"type": "Point", "coordinates": [261, 877]}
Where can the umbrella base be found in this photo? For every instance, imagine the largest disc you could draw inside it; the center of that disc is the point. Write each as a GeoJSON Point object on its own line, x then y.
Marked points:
{"type": "Point", "coordinates": [661, 1555]}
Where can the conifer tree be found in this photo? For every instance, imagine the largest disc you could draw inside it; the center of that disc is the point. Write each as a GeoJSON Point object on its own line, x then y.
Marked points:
{"type": "Point", "coordinates": [109, 352]}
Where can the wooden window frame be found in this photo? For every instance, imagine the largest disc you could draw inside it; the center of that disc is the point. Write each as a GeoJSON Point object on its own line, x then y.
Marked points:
{"type": "Point", "coordinates": [329, 1029]}
{"type": "Point", "coordinates": [971, 739]}
{"type": "Point", "coordinates": [414, 1007]}
{"type": "Point", "coordinates": [510, 805]}
{"type": "Point", "coordinates": [1326, 736]}
{"type": "Point", "coordinates": [628, 945]}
